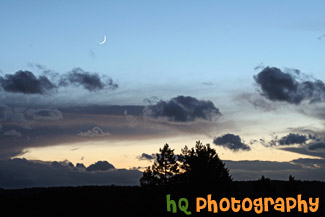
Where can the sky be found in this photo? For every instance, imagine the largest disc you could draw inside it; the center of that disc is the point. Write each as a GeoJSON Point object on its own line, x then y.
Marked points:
{"type": "Point", "coordinates": [246, 77]}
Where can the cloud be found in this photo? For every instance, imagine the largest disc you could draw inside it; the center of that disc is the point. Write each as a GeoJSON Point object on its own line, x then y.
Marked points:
{"type": "Point", "coordinates": [257, 165]}
{"type": "Point", "coordinates": [100, 166]}
{"type": "Point", "coordinates": [321, 37]}
{"type": "Point", "coordinates": [12, 132]}
{"type": "Point", "coordinates": [80, 124]}
{"type": "Point", "coordinates": [293, 88]}
{"type": "Point", "coordinates": [145, 156]}
{"type": "Point", "coordinates": [257, 101]}
{"type": "Point", "coordinates": [208, 83]}
{"type": "Point", "coordinates": [310, 163]}
{"type": "Point", "coordinates": [22, 173]}
{"type": "Point", "coordinates": [90, 81]}
{"type": "Point", "coordinates": [25, 118]}
{"type": "Point", "coordinates": [302, 169]}
{"type": "Point", "coordinates": [5, 111]}
{"type": "Point", "coordinates": [80, 166]}
{"type": "Point", "coordinates": [303, 150]}
{"type": "Point", "coordinates": [259, 66]}
{"type": "Point", "coordinates": [183, 109]}
{"type": "Point", "coordinates": [45, 114]}
{"type": "Point", "coordinates": [95, 132]}
{"type": "Point", "coordinates": [62, 164]}
{"type": "Point", "coordinates": [131, 119]}
{"type": "Point", "coordinates": [316, 146]}
{"type": "Point", "coordinates": [50, 74]}
{"type": "Point", "coordinates": [293, 138]}
{"type": "Point", "coordinates": [26, 82]}
{"type": "Point", "coordinates": [92, 54]}
{"type": "Point", "coordinates": [231, 142]}
{"type": "Point", "coordinates": [104, 110]}
{"type": "Point", "coordinates": [18, 118]}
{"type": "Point", "coordinates": [151, 100]}
{"type": "Point", "coordinates": [277, 85]}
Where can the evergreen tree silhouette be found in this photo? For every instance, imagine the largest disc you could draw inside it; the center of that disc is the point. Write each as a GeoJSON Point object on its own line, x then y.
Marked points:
{"type": "Point", "coordinates": [202, 165]}
{"type": "Point", "coordinates": [164, 169]}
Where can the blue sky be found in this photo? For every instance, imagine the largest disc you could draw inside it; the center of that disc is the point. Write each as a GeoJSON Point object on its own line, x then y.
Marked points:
{"type": "Point", "coordinates": [163, 41]}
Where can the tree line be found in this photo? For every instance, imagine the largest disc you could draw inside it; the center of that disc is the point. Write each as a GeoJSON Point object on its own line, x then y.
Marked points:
{"type": "Point", "coordinates": [198, 165]}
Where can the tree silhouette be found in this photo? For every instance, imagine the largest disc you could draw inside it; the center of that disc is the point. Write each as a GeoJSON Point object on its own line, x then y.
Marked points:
{"type": "Point", "coordinates": [148, 178]}
{"type": "Point", "coordinates": [164, 169]}
{"type": "Point", "coordinates": [292, 179]}
{"type": "Point", "coordinates": [198, 165]}
{"type": "Point", "coordinates": [264, 185]}
{"type": "Point", "coordinates": [202, 165]}
{"type": "Point", "coordinates": [293, 185]}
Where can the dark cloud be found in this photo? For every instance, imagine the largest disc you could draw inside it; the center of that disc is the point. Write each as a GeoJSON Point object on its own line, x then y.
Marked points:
{"type": "Point", "coordinates": [26, 82]}
{"type": "Point", "coordinates": [305, 151]}
{"type": "Point", "coordinates": [316, 146]}
{"type": "Point", "coordinates": [309, 162]}
{"type": "Point", "coordinates": [100, 166]}
{"type": "Point", "coordinates": [80, 166]}
{"type": "Point", "coordinates": [231, 142]}
{"type": "Point", "coordinates": [40, 127]}
{"type": "Point", "coordinates": [18, 118]}
{"type": "Point", "coordinates": [62, 164]}
{"type": "Point", "coordinates": [291, 87]}
{"type": "Point", "coordinates": [21, 173]}
{"type": "Point", "coordinates": [45, 114]}
{"type": "Point", "coordinates": [302, 169]}
{"type": "Point", "coordinates": [183, 109]}
{"type": "Point", "coordinates": [257, 165]}
{"type": "Point", "coordinates": [148, 157]}
{"type": "Point", "coordinates": [277, 85]}
{"type": "Point", "coordinates": [293, 138]}
{"type": "Point", "coordinates": [5, 112]}
{"type": "Point", "coordinates": [26, 118]}
{"type": "Point", "coordinates": [88, 80]}
{"type": "Point", "coordinates": [104, 110]}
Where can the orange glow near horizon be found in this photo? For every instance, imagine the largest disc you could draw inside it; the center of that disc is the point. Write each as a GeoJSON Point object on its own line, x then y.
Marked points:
{"type": "Point", "coordinates": [123, 154]}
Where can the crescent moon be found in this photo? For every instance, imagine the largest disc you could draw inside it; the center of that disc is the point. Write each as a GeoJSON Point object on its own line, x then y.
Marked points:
{"type": "Point", "coordinates": [103, 42]}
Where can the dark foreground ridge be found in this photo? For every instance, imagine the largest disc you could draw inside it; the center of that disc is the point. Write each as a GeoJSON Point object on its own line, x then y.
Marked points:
{"type": "Point", "coordinates": [151, 201]}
